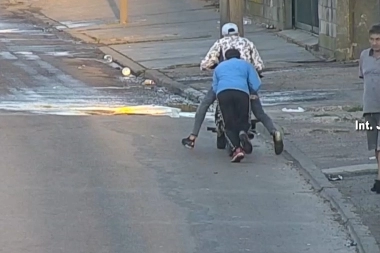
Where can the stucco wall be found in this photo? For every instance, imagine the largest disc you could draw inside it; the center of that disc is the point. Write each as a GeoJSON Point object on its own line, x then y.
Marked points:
{"type": "Point", "coordinates": [327, 13]}
{"type": "Point", "coordinates": [365, 14]}
{"type": "Point", "coordinates": [344, 26]}
{"type": "Point", "coordinates": [272, 12]}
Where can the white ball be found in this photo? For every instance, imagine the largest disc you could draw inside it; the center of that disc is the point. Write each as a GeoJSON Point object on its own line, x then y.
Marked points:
{"type": "Point", "coordinates": [126, 71]}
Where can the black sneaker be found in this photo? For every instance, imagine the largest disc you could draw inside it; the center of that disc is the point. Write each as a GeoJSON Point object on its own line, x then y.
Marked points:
{"type": "Point", "coordinates": [245, 142]}
{"type": "Point", "coordinates": [188, 143]}
{"type": "Point", "coordinates": [376, 187]}
{"type": "Point", "coordinates": [278, 143]}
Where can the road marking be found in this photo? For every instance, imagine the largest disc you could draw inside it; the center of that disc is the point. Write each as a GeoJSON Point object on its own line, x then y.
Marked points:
{"type": "Point", "coordinates": [28, 55]}
{"type": "Point", "coordinates": [351, 169]}
{"type": "Point", "coordinates": [65, 53]}
{"type": "Point", "coordinates": [34, 106]}
{"type": "Point", "coordinates": [8, 56]}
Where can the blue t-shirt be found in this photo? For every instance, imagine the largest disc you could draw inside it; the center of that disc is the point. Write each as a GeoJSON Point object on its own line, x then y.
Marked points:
{"type": "Point", "coordinates": [235, 74]}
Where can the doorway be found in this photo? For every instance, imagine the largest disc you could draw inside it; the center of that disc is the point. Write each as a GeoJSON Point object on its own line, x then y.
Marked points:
{"type": "Point", "coordinates": [306, 15]}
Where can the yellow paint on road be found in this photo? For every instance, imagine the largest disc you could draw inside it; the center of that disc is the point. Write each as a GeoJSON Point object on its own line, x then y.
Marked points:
{"type": "Point", "coordinates": [133, 110]}
{"type": "Point", "coordinates": [75, 110]}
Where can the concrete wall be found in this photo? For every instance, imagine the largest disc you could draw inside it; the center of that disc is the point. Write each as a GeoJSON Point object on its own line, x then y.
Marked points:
{"type": "Point", "coordinates": [343, 24]}
{"type": "Point", "coordinates": [327, 11]}
{"type": "Point", "coordinates": [334, 28]}
{"type": "Point", "coordinates": [272, 12]}
{"type": "Point", "coordinates": [364, 15]}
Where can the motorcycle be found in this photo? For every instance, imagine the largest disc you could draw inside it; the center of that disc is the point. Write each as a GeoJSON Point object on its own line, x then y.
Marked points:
{"type": "Point", "coordinates": [219, 129]}
{"type": "Point", "coordinates": [221, 140]}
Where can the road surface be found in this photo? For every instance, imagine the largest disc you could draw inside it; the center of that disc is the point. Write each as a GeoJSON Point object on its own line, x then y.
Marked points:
{"type": "Point", "coordinates": [118, 184]}
{"type": "Point", "coordinates": [47, 71]}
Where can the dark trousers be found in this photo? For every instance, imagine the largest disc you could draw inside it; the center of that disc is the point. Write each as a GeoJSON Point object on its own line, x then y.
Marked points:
{"type": "Point", "coordinates": [234, 106]}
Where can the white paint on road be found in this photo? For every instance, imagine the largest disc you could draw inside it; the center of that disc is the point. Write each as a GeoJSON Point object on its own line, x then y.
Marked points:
{"type": "Point", "coordinates": [10, 31]}
{"type": "Point", "coordinates": [71, 24]}
{"type": "Point", "coordinates": [59, 53]}
{"type": "Point", "coordinates": [29, 32]}
{"type": "Point", "coordinates": [209, 115]}
{"type": "Point", "coordinates": [7, 56]}
{"type": "Point", "coordinates": [351, 169]}
{"type": "Point", "coordinates": [28, 55]}
{"type": "Point", "coordinates": [299, 109]}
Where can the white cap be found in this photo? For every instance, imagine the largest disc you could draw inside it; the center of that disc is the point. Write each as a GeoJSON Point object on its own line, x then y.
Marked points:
{"type": "Point", "coordinates": [230, 29]}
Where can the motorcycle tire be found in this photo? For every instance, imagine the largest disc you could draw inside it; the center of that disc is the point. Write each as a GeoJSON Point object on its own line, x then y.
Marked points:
{"type": "Point", "coordinates": [221, 141]}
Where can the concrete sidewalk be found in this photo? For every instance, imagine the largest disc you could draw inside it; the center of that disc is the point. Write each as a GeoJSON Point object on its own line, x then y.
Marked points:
{"type": "Point", "coordinates": [160, 34]}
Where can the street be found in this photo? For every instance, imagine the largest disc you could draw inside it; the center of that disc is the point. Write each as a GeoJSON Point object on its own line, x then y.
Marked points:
{"type": "Point", "coordinates": [124, 183]}
{"type": "Point", "coordinates": [45, 71]}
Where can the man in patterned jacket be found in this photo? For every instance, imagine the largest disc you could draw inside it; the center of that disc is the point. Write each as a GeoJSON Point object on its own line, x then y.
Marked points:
{"type": "Point", "coordinates": [249, 53]}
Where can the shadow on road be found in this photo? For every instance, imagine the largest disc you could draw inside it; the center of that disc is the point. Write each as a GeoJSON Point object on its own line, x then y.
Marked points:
{"type": "Point", "coordinates": [114, 8]}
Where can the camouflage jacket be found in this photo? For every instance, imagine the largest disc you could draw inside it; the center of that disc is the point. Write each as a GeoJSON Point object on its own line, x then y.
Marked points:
{"type": "Point", "coordinates": [246, 47]}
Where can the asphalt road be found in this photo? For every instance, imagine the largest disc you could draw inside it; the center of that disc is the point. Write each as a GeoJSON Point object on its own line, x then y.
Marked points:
{"type": "Point", "coordinates": [124, 183]}
{"type": "Point", "coordinates": [43, 71]}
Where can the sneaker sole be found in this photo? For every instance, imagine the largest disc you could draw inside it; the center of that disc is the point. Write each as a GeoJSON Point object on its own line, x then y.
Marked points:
{"type": "Point", "coordinates": [246, 143]}
{"type": "Point", "coordinates": [278, 143]}
{"type": "Point", "coordinates": [238, 158]}
{"type": "Point", "coordinates": [188, 145]}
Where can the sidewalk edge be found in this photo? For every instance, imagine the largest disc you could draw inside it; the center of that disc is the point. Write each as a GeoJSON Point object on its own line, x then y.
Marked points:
{"type": "Point", "coordinates": [158, 77]}
{"type": "Point", "coordinates": [173, 86]}
{"type": "Point", "coordinates": [123, 60]}
{"type": "Point", "coordinates": [366, 243]}
{"type": "Point", "coordinates": [313, 49]}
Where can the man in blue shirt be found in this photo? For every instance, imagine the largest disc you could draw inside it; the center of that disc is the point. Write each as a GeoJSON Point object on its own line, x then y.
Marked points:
{"type": "Point", "coordinates": [232, 81]}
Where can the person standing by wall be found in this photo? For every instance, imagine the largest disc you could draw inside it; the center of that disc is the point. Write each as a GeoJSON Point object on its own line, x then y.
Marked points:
{"type": "Point", "coordinates": [369, 71]}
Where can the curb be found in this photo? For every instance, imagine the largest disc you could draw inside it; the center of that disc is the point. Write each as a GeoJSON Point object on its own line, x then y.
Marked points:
{"type": "Point", "coordinates": [312, 49]}
{"type": "Point", "coordinates": [123, 60]}
{"type": "Point", "coordinates": [366, 243]}
{"type": "Point", "coordinates": [173, 86]}
{"type": "Point", "coordinates": [299, 43]}
{"type": "Point", "coordinates": [158, 77]}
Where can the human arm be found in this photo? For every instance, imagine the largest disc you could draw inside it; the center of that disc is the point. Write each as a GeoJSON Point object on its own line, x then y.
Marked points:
{"type": "Point", "coordinates": [256, 58]}
{"type": "Point", "coordinates": [361, 68]}
{"type": "Point", "coordinates": [254, 80]}
{"type": "Point", "coordinates": [212, 57]}
{"type": "Point", "coordinates": [215, 82]}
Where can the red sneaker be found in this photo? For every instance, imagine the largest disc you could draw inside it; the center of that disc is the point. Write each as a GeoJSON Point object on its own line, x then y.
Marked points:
{"type": "Point", "coordinates": [237, 155]}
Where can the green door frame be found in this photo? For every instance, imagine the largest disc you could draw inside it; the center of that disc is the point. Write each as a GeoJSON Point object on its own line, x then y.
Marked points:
{"type": "Point", "coordinates": [313, 25]}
